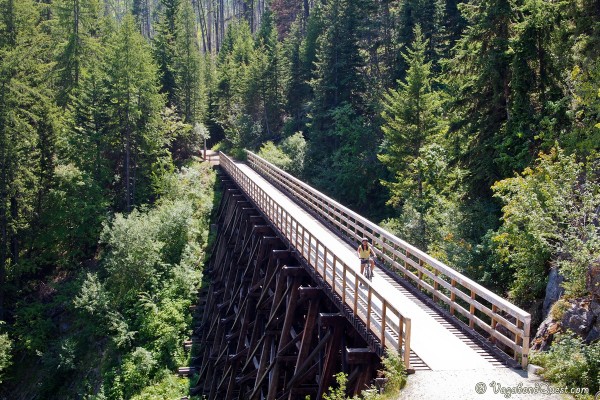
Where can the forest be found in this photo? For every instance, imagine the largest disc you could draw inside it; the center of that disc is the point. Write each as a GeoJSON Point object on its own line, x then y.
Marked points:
{"type": "Point", "coordinates": [471, 129]}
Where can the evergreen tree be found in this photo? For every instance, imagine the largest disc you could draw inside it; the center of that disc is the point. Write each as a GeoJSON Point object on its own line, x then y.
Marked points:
{"type": "Point", "coordinates": [232, 68]}
{"type": "Point", "coordinates": [413, 124]}
{"type": "Point", "coordinates": [28, 126]}
{"type": "Point", "coordinates": [77, 24]}
{"type": "Point", "coordinates": [337, 79]}
{"type": "Point", "coordinates": [481, 72]}
{"type": "Point", "coordinates": [164, 48]}
{"type": "Point", "coordinates": [187, 65]}
{"type": "Point", "coordinates": [263, 89]}
{"type": "Point", "coordinates": [133, 111]}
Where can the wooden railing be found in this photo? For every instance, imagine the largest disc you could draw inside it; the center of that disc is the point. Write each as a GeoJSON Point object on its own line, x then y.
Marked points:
{"type": "Point", "coordinates": [381, 318]}
{"type": "Point", "coordinates": [507, 325]}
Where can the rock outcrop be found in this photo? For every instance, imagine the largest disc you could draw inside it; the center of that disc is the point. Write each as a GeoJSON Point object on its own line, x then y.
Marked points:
{"type": "Point", "coordinates": [581, 316]}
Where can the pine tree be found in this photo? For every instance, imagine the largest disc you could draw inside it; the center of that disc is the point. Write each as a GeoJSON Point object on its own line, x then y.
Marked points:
{"type": "Point", "coordinates": [337, 77]}
{"type": "Point", "coordinates": [28, 126]}
{"type": "Point", "coordinates": [263, 89]}
{"type": "Point", "coordinates": [133, 110]}
{"type": "Point", "coordinates": [232, 68]}
{"type": "Point", "coordinates": [412, 130]}
{"type": "Point", "coordinates": [481, 72]}
{"type": "Point", "coordinates": [77, 25]}
{"type": "Point", "coordinates": [164, 48]}
{"type": "Point", "coordinates": [187, 65]}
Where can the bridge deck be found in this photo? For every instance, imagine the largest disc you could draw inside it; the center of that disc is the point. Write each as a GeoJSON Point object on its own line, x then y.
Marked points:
{"type": "Point", "coordinates": [436, 343]}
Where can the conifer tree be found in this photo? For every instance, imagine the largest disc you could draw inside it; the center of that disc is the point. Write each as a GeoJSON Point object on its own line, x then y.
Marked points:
{"type": "Point", "coordinates": [263, 87]}
{"type": "Point", "coordinates": [187, 65]}
{"type": "Point", "coordinates": [164, 48]}
{"type": "Point", "coordinates": [77, 25]}
{"type": "Point", "coordinates": [28, 126]}
{"type": "Point", "coordinates": [412, 130]}
{"type": "Point", "coordinates": [133, 110]}
{"type": "Point", "coordinates": [337, 79]}
{"type": "Point", "coordinates": [481, 72]}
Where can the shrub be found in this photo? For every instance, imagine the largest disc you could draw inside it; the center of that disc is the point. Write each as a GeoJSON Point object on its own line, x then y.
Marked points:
{"type": "Point", "coordinates": [137, 370]}
{"type": "Point", "coordinates": [571, 363]}
{"type": "Point", "coordinates": [549, 218]}
{"type": "Point", "coordinates": [5, 354]}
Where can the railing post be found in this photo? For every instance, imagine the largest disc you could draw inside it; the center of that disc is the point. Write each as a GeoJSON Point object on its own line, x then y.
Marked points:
{"type": "Point", "coordinates": [383, 317]}
{"type": "Point", "coordinates": [369, 306]}
{"type": "Point", "coordinates": [333, 273]}
{"type": "Point", "coordinates": [355, 310]}
{"type": "Point", "coordinates": [435, 285]}
{"type": "Point", "coordinates": [472, 310]}
{"type": "Point", "coordinates": [494, 312]}
{"type": "Point", "coordinates": [525, 349]}
{"type": "Point", "coordinates": [420, 272]}
{"type": "Point", "coordinates": [344, 285]}
{"type": "Point", "coordinates": [452, 296]}
{"type": "Point", "coordinates": [518, 339]}
{"type": "Point", "coordinates": [407, 343]}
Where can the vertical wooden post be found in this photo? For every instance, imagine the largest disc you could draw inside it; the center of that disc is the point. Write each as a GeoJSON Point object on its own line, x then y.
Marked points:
{"type": "Point", "coordinates": [344, 285]}
{"type": "Point", "coordinates": [435, 285]}
{"type": "Point", "coordinates": [383, 317]}
{"type": "Point", "coordinates": [525, 348]}
{"type": "Point", "coordinates": [420, 273]}
{"type": "Point", "coordinates": [494, 312]}
{"type": "Point", "coordinates": [472, 310]}
{"type": "Point", "coordinates": [452, 297]}
{"type": "Point", "coordinates": [333, 272]}
{"type": "Point", "coordinates": [369, 306]}
{"type": "Point", "coordinates": [355, 293]}
{"type": "Point", "coordinates": [407, 332]}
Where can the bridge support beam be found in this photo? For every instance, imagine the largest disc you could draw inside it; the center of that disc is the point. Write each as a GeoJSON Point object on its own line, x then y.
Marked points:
{"type": "Point", "coordinates": [267, 330]}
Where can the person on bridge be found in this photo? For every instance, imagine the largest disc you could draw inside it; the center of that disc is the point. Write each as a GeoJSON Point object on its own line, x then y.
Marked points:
{"type": "Point", "coordinates": [366, 254]}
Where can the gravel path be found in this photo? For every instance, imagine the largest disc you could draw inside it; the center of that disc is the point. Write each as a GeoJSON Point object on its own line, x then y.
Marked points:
{"type": "Point", "coordinates": [500, 383]}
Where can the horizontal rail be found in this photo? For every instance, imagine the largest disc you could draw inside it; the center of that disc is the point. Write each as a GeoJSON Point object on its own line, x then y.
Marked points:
{"type": "Point", "coordinates": [505, 323]}
{"type": "Point", "coordinates": [382, 319]}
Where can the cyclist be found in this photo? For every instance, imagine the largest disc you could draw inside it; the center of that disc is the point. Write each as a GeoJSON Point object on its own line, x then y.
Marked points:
{"type": "Point", "coordinates": [366, 254]}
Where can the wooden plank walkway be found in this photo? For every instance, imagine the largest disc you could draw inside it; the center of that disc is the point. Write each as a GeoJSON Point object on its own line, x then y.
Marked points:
{"type": "Point", "coordinates": [437, 344]}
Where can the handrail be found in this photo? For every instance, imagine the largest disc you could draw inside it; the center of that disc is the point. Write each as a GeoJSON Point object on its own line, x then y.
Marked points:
{"type": "Point", "coordinates": [380, 317]}
{"type": "Point", "coordinates": [435, 278]}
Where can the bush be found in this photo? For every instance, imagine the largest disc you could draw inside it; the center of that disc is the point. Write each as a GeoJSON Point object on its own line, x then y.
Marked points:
{"type": "Point", "coordinates": [394, 371]}
{"type": "Point", "coordinates": [169, 387]}
{"type": "Point", "coordinates": [571, 363]}
{"type": "Point", "coordinates": [5, 354]}
{"type": "Point", "coordinates": [549, 218]}
{"type": "Point", "coordinates": [137, 371]}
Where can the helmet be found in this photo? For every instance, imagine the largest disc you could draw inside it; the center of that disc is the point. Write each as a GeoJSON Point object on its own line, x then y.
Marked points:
{"type": "Point", "coordinates": [364, 239]}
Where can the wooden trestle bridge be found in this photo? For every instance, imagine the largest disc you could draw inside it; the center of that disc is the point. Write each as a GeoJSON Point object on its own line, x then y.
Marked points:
{"type": "Point", "coordinates": [287, 309]}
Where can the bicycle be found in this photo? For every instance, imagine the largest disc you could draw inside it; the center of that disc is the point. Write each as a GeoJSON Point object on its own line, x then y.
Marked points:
{"type": "Point", "coordinates": [369, 271]}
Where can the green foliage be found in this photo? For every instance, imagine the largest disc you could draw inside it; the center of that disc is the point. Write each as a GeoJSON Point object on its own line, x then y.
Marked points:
{"type": "Point", "coordinates": [187, 66]}
{"type": "Point", "coordinates": [295, 147]}
{"type": "Point", "coordinates": [338, 393]}
{"type": "Point", "coordinates": [149, 278]}
{"type": "Point", "coordinates": [73, 219]}
{"type": "Point", "coordinates": [289, 155]}
{"type": "Point", "coordinates": [571, 363]}
{"type": "Point", "coordinates": [133, 107]}
{"type": "Point", "coordinates": [414, 154]}
{"type": "Point", "coordinates": [137, 370]}
{"type": "Point", "coordinates": [33, 327]}
{"type": "Point", "coordinates": [270, 152]}
{"type": "Point", "coordinates": [169, 387]}
{"type": "Point", "coordinates": [548, 218]}
{"type": "Point", "coordinates": [5, 354]}
{"type": "Point", "coordinates": [394, 371]}
{"type": "Point", "coordinates": [76, 27]}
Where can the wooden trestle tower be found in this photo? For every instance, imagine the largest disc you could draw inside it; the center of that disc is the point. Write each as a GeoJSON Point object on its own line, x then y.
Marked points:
{"type": "Point", "coordinates": [266, 329]}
